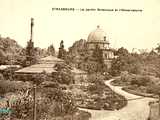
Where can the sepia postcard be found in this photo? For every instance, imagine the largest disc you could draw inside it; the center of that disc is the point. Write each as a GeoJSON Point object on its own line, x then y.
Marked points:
{"type": "Point", "coordinates": [79, 60]}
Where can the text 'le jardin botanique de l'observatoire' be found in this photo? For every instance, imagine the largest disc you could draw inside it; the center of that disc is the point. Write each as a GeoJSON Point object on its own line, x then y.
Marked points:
{"type": "Point", "coordinates": [96, 9]}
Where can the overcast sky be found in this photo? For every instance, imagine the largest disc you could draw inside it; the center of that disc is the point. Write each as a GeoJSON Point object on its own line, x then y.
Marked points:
{"type": "Point", "coordinates": [128, 29]}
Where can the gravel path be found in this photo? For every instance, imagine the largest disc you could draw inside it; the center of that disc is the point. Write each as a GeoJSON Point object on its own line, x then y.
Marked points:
{"type": "Point", "coordinates": [137, 109]}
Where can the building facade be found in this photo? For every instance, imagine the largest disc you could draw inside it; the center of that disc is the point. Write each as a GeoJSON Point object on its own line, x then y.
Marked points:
{"type": "Point", "coordinates": [98, 38]}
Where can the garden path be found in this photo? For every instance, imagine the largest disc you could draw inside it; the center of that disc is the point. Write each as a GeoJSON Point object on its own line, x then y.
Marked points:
{"type": "Point", "coordinates": [137, 109]}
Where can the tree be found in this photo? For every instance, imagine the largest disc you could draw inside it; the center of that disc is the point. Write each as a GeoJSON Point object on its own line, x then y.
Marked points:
{"type": "Point", "coordinates": [51, 50]}
{"type": "Point", "coordinates": [63, 74]}
{"type": "Point", "coordinates": [98, 55]}
{"type": "Point", "coordinates": [122, 52]}
{"type": "Point", "coordinates": [158, 48]}
{"type": "Point", "coordinates": [78, 48]}
{"type": "Point", "coordinates": [2, 57]}
{"type": "Point", "coordinates": [125, 62]}
{"type": "Point", "coordinates": [9, 50]}
{"type": "Point", "coordinates": [77, 53]}
{"type": "Point", "coordinates": [152, 56]}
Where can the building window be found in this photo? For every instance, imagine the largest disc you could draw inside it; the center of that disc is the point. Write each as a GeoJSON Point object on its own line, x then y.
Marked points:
{"type": "Point", "coordinates": [106, 55]}
{"type": "Point", "coordinates": [104, 38]}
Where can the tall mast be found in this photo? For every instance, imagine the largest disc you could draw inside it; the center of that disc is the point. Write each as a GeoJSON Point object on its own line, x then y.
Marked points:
{"type": "Point", "coordinates": [32, 24]}
{"type": "Point", "coordinates": [30, 46]}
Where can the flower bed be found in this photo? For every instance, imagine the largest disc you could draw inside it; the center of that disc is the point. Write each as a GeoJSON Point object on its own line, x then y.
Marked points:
{"type": "Point", "coordinates": [99, 99]}
{"type": "Point", "coordinates": [137, 84]}
{"type": "Point", "coordinates": [135, 92]}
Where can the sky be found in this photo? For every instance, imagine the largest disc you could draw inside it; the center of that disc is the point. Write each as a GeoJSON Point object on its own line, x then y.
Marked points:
{"type": "Point", "coordinates": [139, 30]}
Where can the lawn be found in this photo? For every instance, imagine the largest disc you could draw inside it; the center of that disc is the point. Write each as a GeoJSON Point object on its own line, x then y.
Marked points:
{"type": "Point", "coordinates": [142, 85]}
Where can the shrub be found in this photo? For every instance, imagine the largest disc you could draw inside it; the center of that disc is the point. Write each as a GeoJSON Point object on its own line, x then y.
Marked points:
{"type": "Point", "coordinates": [1, 77]}
{"type": "Point", "coordinates": [82, 115]}
{"type": "Point", "coordinates": [63, 74]}
{"type": "Point", "coordinates": [50, 102]}
{"type": "Point", "coordinates": [94, 78]}
{"type": "Point", "coordinates": [141, 81]}
{"type": "Point", "coordinates": [13, 86]}
{"type": "Point", "coordinates": [92, 88]}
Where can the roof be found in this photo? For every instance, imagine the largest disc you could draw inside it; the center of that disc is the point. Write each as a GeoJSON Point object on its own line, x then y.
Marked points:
{"type": "Point", "coordinates": [50, 59]}
{"type": "Point", "coordinates": [78, 71]}
{"type": "Point", "coordinates": [3, 67]}
{"type": "Point", "coordinates": [46, 64]}
{"type": "Point", "coordinates": [37, 68]}
{"type": "Point", "coordinates": [97, 35]}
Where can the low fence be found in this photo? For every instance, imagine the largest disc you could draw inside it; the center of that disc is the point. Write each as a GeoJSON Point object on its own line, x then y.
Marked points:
{"type": "Point", "coordinates": [138, 93]}
{"type": "Point", "coordinates": [154, 111]}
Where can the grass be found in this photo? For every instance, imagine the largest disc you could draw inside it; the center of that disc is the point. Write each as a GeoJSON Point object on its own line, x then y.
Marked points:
{"type": "Point", "coordinates": [137, 84]}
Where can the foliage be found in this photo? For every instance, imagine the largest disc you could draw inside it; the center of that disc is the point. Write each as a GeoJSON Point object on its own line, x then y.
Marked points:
{"type": "Point", "coordinates": [50, 102]}
{"type": "Point", "coordinates": [139, 84]}
{"type": "Point", "coordinates": [83, 59]}
{"type": "Point", "coordinates": [39, 78]}
{"type": "Point", "coordinates": [97, 81]}
{"type": "Point", "coordinates": [10, 51]}
{"type": "Point", "coordinates": [63, 102]}
{"type": "Point", "coordinates": [141, 81]}
{"type": "Point", "coordinates": [78, 47]}
{"type": "Point", "coordinates": [154, 89]}
{"type": "Point", "coordinates": [125, 62]}
{"type": "Point", "coordinates": [144, 63]}
{"type": "Point", "coordinates": [121, 52]}
{"type": "Point", "coordinates": [63, 74]}
{"type": "Point", "coordinates": [97, 54]}
{"type": "Point", "coordinates": [107, 76]}
{"type": "Point", "coordinates": [158, 48]}
{"type": "Point", "coordinates": [133, 80]}
{"type": "Point", "coordinates": [1, 77]}
{"type": "Point", "coordinates": [12, 86]}
{"type": "Point", "coordinates": [51, 50]}
{"type": "Point", "coordinates": [34, 78]}
{"type": "Point", "coordinates": [2, 57]}
{"type": "Point", "coordinates": [22, 108]}
{"type": "Point", "coordinates": [96, 78]}
{"type": "Point", "coordinates": [99, 96]}
{"type": "Point", "coordinates": [9, 73]}
{"type": "Point", "coordinates": [98, 58]}
{"type": "Point", "coordinates": [39, 53]}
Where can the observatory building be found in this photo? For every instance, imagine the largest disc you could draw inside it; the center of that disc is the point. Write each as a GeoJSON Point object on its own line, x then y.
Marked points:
{"type": "Point", "coordinates": [99, 38]}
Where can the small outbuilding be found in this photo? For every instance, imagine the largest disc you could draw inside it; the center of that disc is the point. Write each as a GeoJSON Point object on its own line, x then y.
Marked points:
{"type": "Point", "coordinates": [47, 64]}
